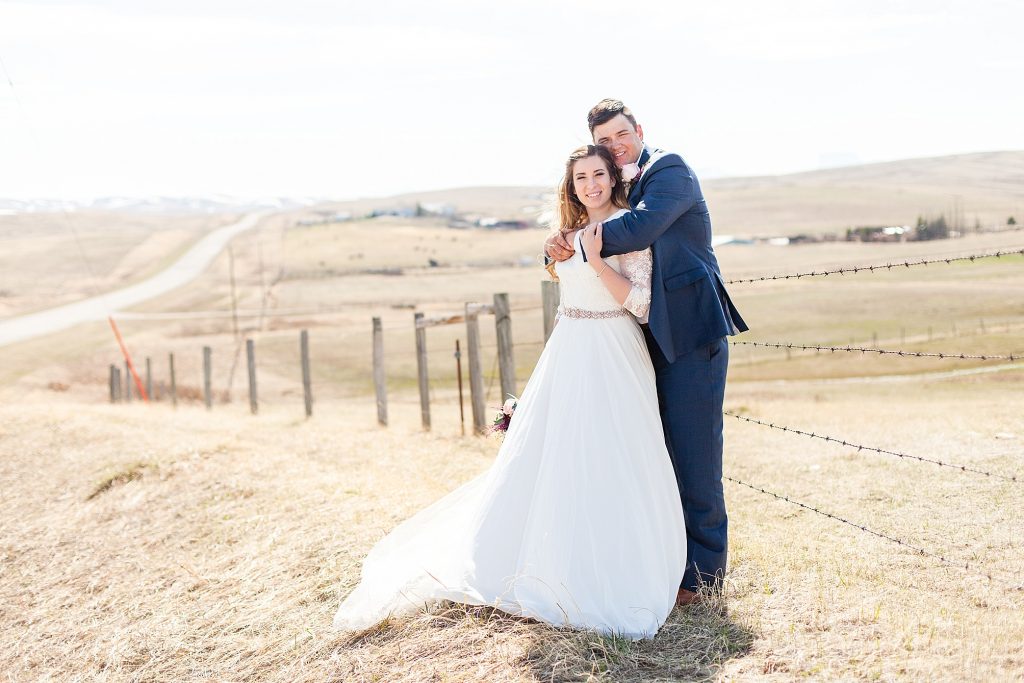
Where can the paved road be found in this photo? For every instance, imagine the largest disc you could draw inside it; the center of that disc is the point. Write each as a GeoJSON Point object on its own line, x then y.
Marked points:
{"type": "Point", "coordinates": [181, 272]}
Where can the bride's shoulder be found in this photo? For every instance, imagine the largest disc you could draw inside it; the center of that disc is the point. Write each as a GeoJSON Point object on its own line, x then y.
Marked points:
{"type": "Point", "coordinates": [617, 214]}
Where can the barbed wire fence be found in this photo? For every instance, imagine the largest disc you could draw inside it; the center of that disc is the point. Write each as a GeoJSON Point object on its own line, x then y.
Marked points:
{"type": "Point", "coordinates": [998, 577]}
{"type": "Point", "coordinates": [881, 451]}
{"type": "Point", "coordinates": [878, 267]}
{"type": "Point", "coordinates": [437, 353]}
{"type": "Point", "coordinates": [1014, 583]}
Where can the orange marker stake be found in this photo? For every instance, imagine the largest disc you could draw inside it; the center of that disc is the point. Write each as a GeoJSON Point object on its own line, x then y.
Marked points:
{"type": "Point", "coordinates": [128, 360]}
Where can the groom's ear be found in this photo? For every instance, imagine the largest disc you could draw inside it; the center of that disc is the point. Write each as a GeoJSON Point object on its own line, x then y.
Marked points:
{"type": "Point", "coordinates": [639, 131]}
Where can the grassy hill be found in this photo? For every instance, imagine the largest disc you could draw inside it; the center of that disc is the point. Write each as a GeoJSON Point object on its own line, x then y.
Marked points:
{"type": "Point", "coordinates": [986, 186]}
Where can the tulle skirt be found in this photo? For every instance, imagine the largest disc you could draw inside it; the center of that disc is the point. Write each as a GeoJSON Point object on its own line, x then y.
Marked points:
{"type": "Point", "coordinates": [578, 522]}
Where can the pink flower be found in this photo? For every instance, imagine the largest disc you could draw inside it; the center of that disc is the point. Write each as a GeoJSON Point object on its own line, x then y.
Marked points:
{"type": "Point", "coordinates": [509, 407]}
{"type": "Point", "coordinates": [630, 172]}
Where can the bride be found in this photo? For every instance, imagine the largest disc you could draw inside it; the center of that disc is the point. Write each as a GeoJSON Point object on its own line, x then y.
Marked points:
{"type": "Point", "coordinates": [578, 522]}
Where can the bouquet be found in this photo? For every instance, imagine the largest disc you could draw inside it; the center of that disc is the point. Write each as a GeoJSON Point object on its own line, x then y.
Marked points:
{"type": "Point", "coordinates": [504, 417]}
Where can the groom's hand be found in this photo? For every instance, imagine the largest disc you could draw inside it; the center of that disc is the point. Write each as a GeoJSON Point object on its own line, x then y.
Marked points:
{"type": "Point", "coordinates": [559, 246]}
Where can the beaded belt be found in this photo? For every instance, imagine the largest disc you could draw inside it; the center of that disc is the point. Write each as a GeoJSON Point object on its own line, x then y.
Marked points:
{"type": "Point", "coordinates": [570, 312]}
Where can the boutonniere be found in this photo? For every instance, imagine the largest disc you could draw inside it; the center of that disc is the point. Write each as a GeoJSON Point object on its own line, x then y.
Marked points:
{"type": "Point", "coordinates": [630, 173]}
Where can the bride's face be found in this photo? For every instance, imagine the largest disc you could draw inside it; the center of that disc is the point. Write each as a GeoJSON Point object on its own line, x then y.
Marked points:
{"type": "Point", "coordinates": [592, 182]}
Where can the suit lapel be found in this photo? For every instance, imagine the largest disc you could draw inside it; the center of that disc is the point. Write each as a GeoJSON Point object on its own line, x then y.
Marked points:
{"type": "Point", "coordinates": [645, 157]}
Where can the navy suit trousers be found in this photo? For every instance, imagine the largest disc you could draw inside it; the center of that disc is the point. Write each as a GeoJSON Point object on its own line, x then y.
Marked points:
{"type": "Point", "coordinates": [690, 393]}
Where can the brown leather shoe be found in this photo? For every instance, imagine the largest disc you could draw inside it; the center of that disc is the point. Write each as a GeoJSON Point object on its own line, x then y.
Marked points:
{"type": "Point", "coordinates": [686, 597]}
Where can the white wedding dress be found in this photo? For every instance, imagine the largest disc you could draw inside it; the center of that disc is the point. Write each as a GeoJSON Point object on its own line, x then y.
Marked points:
{"type": "Point", "coordinates": [578, 522]}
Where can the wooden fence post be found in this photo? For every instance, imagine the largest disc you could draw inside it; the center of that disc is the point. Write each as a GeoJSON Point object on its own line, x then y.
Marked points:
{"type": "Point", "coordinates": [307, 388]}
{"type": "Point", "coordinates": [506, 359]}
{"type": "Point", "coordinates": [378, 373]}
{"type": "Point", "coordinates": [149, 379]}
{"type": "Point", "coordinates": [127, 383]}
{"type": "Point", "coordinates": [250, 353]}
{"type": "Point", "coordinates": [207, 369]}
{"type": "Point", "coordinates": [174, 383]}
{"type": "Point", "coordinates": [476, 376]}
{"type": "Point", "coordinates": [115, 388]}
{"type": "Point", "coordinates": [549, 294]}
{"type": "Point", "coordinates": [421, 369]}
{"type": "Point", "coordinates": [458, 375]}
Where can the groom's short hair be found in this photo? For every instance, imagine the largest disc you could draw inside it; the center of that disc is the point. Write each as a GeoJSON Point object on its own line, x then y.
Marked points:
{"type": "Point", "coordinates": [606, 110]}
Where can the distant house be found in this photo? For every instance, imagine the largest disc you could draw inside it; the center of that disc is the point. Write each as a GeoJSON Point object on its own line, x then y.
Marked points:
{"type": "Point", "coordinates": [436, 209]}
{"type": "Point", "coordinates": [400, 211]}
{"type": "Point", "coordinates": [892, 233]}
{"type": "Point", "coordinates": [503, 224]}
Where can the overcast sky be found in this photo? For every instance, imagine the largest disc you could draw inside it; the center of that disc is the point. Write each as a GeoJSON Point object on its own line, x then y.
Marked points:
{"type": "Point", "coordinates": [343, 99]}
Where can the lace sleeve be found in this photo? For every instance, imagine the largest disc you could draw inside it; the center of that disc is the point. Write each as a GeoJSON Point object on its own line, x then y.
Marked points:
{"type": "Point", "coordinates": [637, 267]}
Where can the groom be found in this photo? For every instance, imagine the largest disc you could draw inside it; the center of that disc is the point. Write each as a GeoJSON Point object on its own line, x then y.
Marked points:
{"type": "Point", "coordinates": [690, 316]}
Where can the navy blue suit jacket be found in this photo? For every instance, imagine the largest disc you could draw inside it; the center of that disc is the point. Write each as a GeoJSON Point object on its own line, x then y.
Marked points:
{"type": "Point", "coordinates": [689, 305]}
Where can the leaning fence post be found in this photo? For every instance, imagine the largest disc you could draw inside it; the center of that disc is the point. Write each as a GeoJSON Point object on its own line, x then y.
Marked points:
{"type": "Point", "coordinates": [114, 388]}
{"type": "Point", "coordinates": [506, 359]}
{"type": "Point", "coordinates": [476, 376]}
{"type": "Point", "coordinates": [378, 373]}
{"type": "Point", "coordinates": [458, 375]}
{"type": "Point", "coordinates": [307, 388]}
{"type": "Point", "coordinates": [250, 353]}
{"type": "Point", "coordinates": [421, 369]}
{"type": "Point", "coordinates": [207, 368]}
{"type": "Point", "coordinates": [174, 383]}
{"type": "Point", "coordinates": [549, 294]}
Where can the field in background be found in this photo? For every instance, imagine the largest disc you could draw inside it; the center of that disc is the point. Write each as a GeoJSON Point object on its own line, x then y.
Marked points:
{"type": "Point", "coordinates": [144, 543]}
{"type": "Point", "coordinates": [41, 263]}
{"type": "Point", "coordinates": [50, 259]}
{"type": "Point", "coordinates": [278, 271]}
{"type": "Point", "coordinates": [985, 187]}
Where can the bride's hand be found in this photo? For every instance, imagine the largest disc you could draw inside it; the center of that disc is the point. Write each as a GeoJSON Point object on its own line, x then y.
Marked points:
{"type": "Point", "coordinates": [590, 240]}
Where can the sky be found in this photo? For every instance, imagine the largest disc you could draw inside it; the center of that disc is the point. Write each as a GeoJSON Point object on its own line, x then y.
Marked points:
{"type": "Point", "coordinates": [341, 99]}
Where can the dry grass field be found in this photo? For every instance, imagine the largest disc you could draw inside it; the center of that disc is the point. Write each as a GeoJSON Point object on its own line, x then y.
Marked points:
{"type": "Point", "coordinates": [50, 259]}
{"type": "Point", "coordinates": [143, 543]}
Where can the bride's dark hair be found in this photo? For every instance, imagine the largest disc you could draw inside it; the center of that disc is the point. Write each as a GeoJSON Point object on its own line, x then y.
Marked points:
{"type": "Point", "coordinates": [571, 213]}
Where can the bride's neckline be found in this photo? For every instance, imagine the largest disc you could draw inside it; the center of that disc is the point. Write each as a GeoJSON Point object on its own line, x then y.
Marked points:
{"type": "Point", "coordinates": [614, 210]}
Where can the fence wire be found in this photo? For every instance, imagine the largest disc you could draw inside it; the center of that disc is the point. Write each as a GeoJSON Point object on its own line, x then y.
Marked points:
{"type": "Point", "coordinates": [1013, 584]}
{"type": "Point", "coordinates": [879, 267]}
{"type": "Point", "coordinates": [881, 451]}
{"type": "Point", "coordinates": [881, 352]}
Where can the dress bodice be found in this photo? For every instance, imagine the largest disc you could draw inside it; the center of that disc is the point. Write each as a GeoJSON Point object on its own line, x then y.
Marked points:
{"type": "Point", "coordinates": [582, 290]}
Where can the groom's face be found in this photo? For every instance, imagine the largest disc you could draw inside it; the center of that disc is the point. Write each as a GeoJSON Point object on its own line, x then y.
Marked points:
{"type": "Point", "coordinates": [620, 138]}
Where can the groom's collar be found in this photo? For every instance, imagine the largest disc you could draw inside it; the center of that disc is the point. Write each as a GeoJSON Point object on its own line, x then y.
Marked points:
{"type": "Point", "coordinates": [645, 156]}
